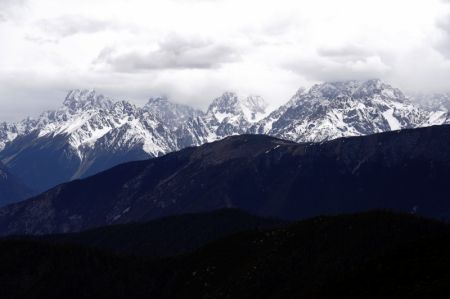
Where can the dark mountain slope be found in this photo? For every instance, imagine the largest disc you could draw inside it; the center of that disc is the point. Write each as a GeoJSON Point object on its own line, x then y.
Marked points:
{"type": "Point", "coordinates": [370, 255]}
{"type": "Point", "coordinates": [33, 269]}
{"type": "Point", "coordinates": [326, 257]}
{"type": "Point", "coordinates": [404, 170]}
{"type": "Point", "coordinates": [11, 188]}
{"type": "Point", "coordinates": [30, 160]}
{"type": "Point", "coordinates": [167, 236]}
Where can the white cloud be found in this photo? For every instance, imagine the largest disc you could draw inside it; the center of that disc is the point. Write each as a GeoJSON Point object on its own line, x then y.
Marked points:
{"type": "Point", "coordinates": [443, 43]}
{"type": "Point", "coordinates": [339, 68]}
{"type": "Point", "coordinates": [193, 50]}
{"type": "Point", "coordinates": [68, 25]}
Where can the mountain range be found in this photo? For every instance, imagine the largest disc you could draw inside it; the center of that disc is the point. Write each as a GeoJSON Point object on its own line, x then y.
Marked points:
{"type": "Point", "coordinates": [404, 170]}
{"type": "Point", "coordinates": [91, 133]}
{"type": "Point", "coordinates": [168, 201]}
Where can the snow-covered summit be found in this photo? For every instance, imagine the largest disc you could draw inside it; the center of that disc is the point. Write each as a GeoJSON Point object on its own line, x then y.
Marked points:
{"type": "Point", "coordinates": [432, 101]}
{"type": "Point", "coordinates": [86, 98]}
{"type": "Point", "coordinates": [356, 89]}
{"type": "Point", "coordinates": [172, 114]}
{"type": "Point", "coordinates": [227, 115]}
{"type": "Point", "coordinates": [252, 108]}
{"type": "Point", "coordinates": [339, 109]}
{"type": "Point", "coordinates": [225, 106]}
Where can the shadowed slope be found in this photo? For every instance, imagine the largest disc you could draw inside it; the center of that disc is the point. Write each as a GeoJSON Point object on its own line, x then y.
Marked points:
{"type": "Point", "coordinates": [404, 170]}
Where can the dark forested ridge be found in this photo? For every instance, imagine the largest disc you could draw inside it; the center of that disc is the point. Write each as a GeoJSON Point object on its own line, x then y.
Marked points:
{"type": "Point", "coordinates": [369, 255]}
{"type": "Point", "coordinates": [168, 236]}
{"type": "Point", "coordinates": [404, 171]}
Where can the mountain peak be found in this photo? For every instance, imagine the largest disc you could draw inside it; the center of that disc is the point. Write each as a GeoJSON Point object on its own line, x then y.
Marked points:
{"type": "Point", "coordinates": [225, 105]}
{"type": "Point", "coordinates": [252, 108]}
{"type": "Point", "coordinates": [83, 98]}
{"type": "Point", "coordinates": [358, 89]}
{"type": "Point", "coordinates": [376, 86]}
{"type": "Point", "coordinates": [226, 100]}
{"type": "Point", "coordinates": [170, 113]}
{"type": "Point", "coordinates": [255, 102]}
{"type": "Point", "coordinates": [300, 92]}
{"type": "Point", "coordinates": [157, 100]}
{"type": "Point", "coordinates": [332, 90]}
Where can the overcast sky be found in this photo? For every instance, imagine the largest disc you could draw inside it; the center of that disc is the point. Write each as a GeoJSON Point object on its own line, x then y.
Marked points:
{"type": "Point", "coordinates": [193, 50]}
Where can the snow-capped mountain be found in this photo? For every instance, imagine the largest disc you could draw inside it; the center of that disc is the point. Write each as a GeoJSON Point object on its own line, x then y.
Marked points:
{"type": "Point", "coordinates": [8, 132]}
{"type": "Point", "coordinates": [232, 108]}
{"type": "Point", "coordinates": [87, 134]}
{"type": "Point", "coordinates": [87, 119]}
{"type": "Point", "coordinates": [432, 101]}
{"type": "Point", "coordinates": [171, 114]}
{"type": "Point", "coordinates": [438, 104]}
{"type": "Point", "coordinates": [227, 115]}
{"type": "Point", "coordinates": [254, 108]}
{"type": "Point", "coordinates": [90, 132]}
{"type": "Point", "coordinates": [353, 108]}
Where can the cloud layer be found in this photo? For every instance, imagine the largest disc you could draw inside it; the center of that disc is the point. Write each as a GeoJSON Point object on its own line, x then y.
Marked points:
{"type": "Point", "coordinates": [174, 52]}
{"type": "Point", "coordinates": [193, 50]}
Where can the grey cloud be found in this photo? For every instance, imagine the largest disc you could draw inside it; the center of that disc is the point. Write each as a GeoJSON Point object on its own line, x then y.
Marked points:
{"type": "Point", "coordinates": [9, 7]}
{"type": "Point", "coordinates": [40, 39]}
{"type": "Point", "coordinates": [443, 24]}
{"type": "Point", "coordinates": [6, 4]}
{"type": "Point", "coordinates": [347, 52]}
{"type": "Point", "coordinates": [443, 46]}
{"type": "Point", "coordinates": [346, 62]}
{"type": "Point", "coordinates": [173, 53]}
{"type": "Point", "coordinates": [68, 25]}
{"type": "Point", "coordinates": [335, 70]}
{"type": "Point", "coordinates": [25, 94]}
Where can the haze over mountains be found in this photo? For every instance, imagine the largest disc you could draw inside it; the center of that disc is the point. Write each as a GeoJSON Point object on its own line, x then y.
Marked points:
{"type": "Point", "coordinates": [91, 133]}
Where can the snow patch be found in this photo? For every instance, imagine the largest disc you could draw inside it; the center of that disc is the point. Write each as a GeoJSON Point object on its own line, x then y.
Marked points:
{"type": "Point", "coordinates": [393, 122]}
